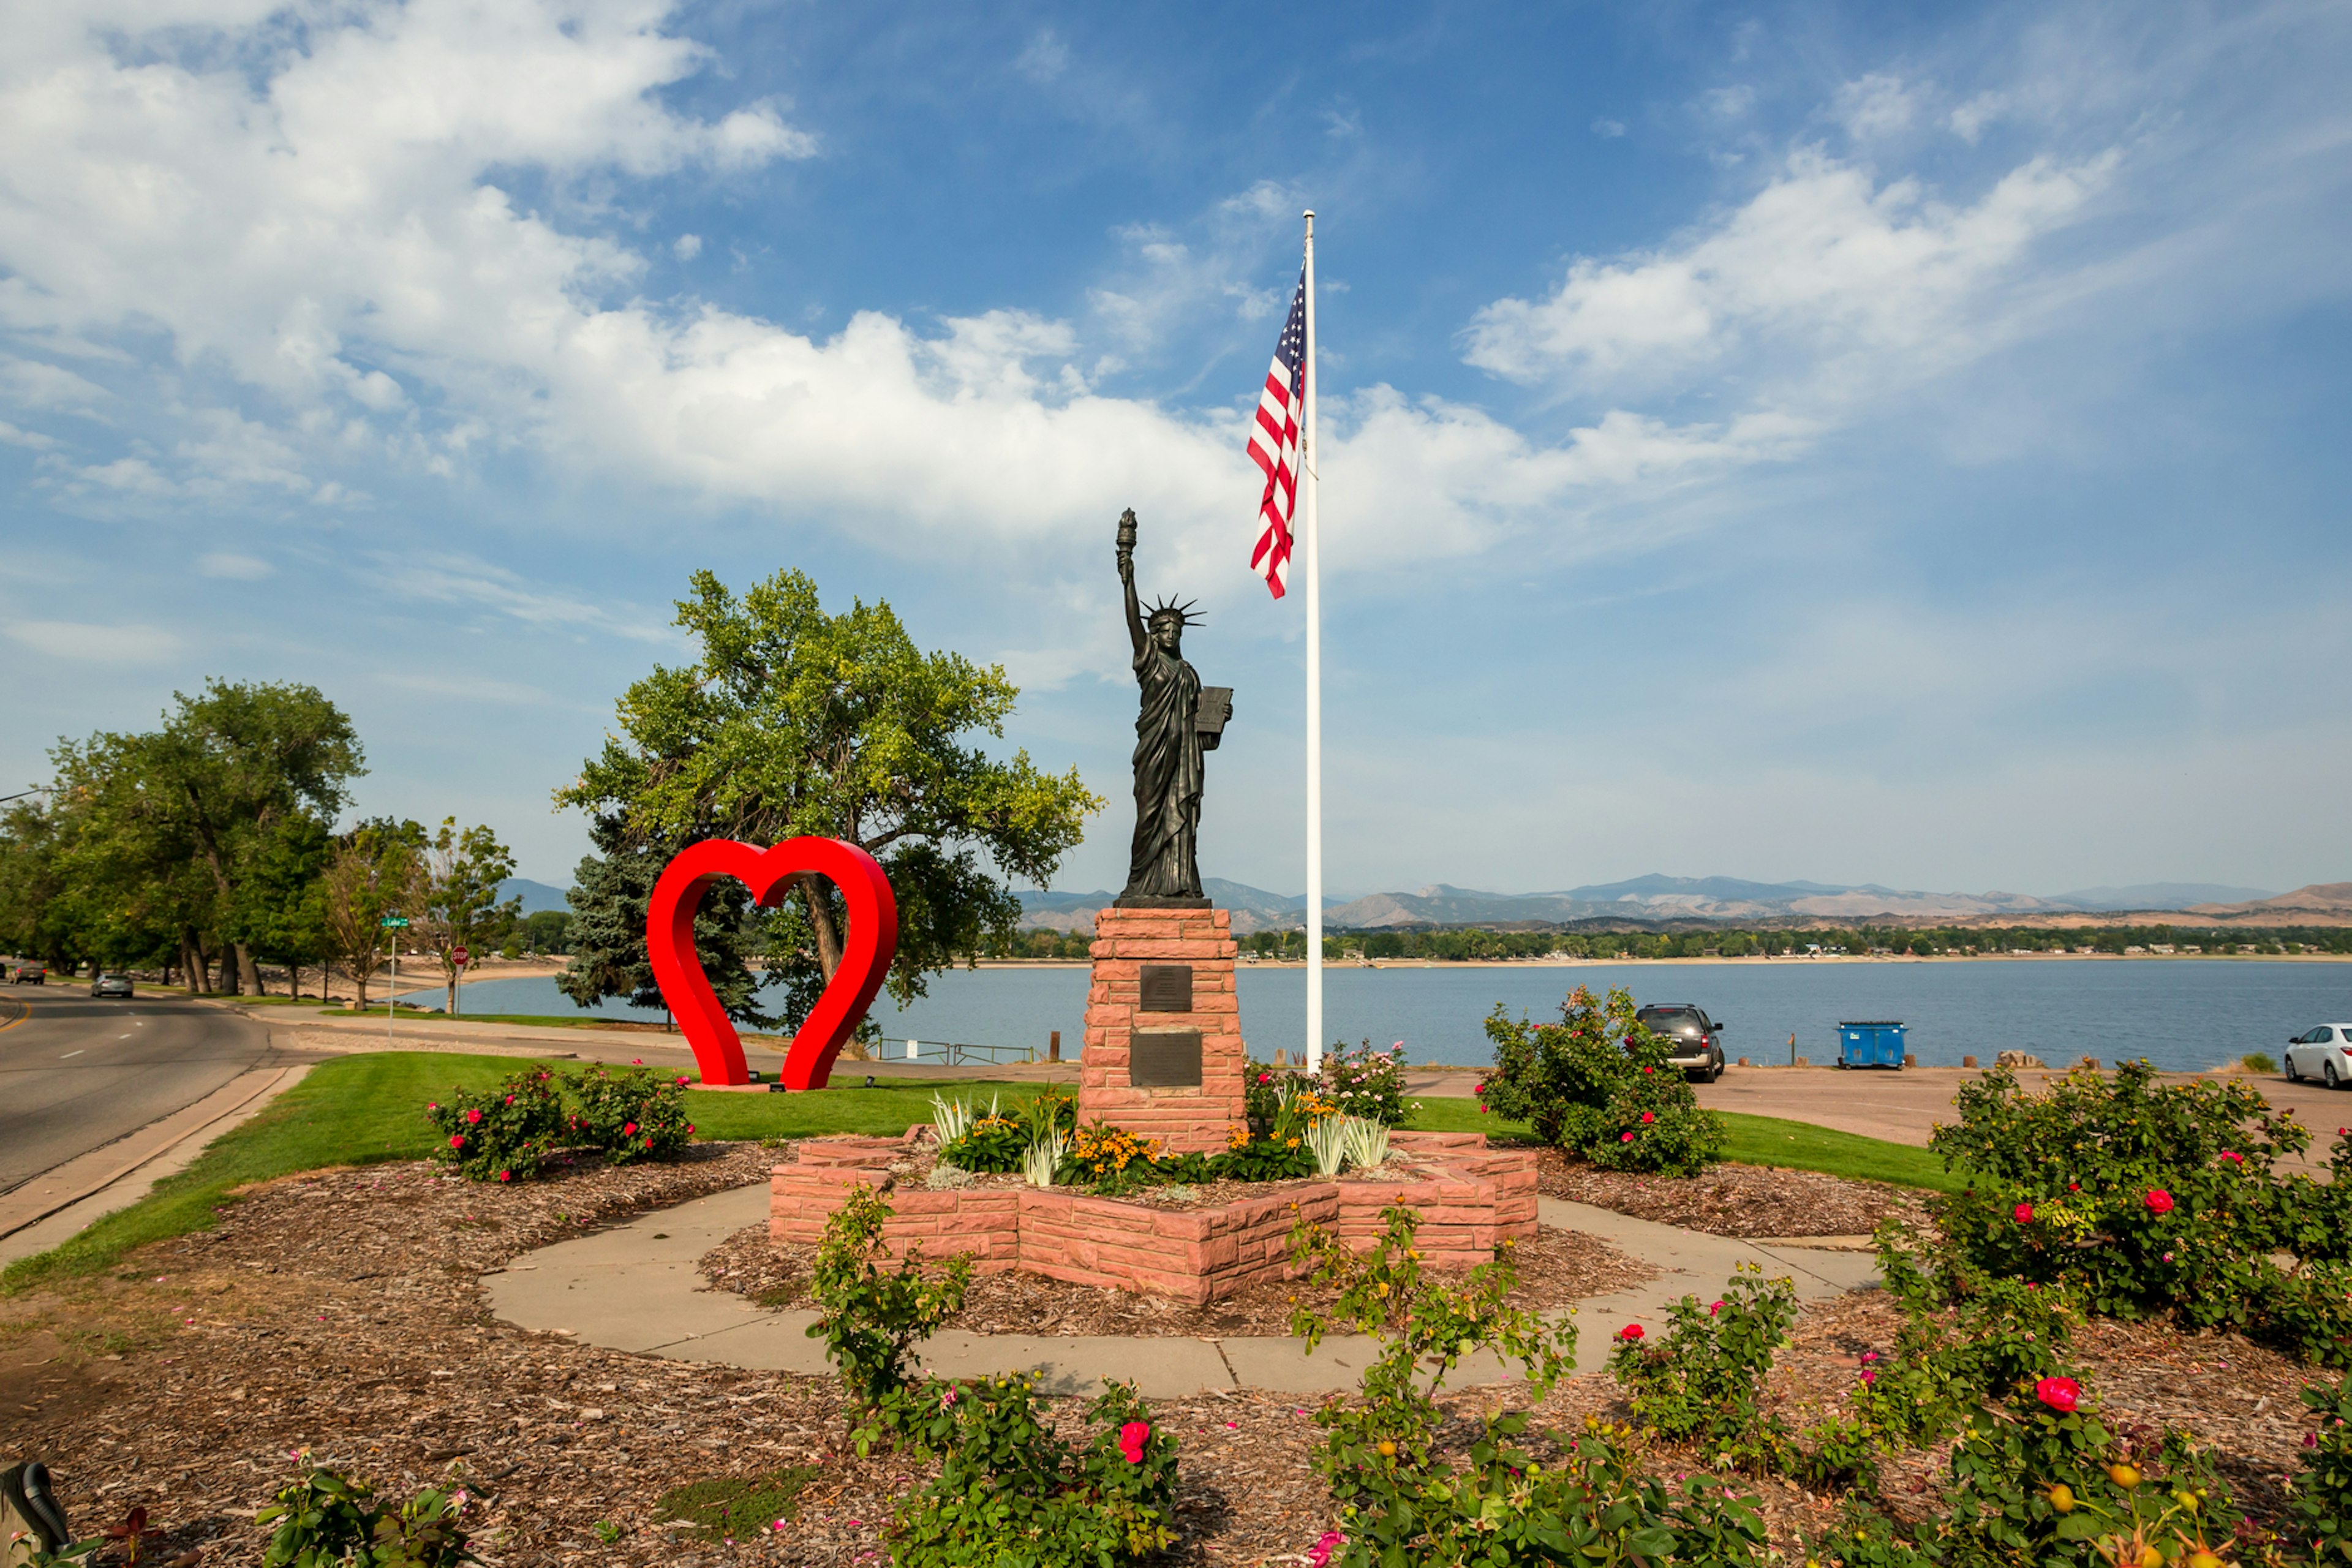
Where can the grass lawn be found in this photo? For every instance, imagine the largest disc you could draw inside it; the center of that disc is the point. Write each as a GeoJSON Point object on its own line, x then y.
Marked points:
{"type": "Point", "coordinates": [358, 1110]}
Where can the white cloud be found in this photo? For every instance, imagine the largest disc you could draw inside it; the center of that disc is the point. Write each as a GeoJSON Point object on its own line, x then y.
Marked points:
{"type": "Point", "coordinates": [1609, 130]}
{"type": "Point", "coordinates": [34, 383]}
{"type": "Point", "coordinates": [1728, 102]}
{"type": "Point", "coordinates": [686, 246]}
{"type": "Point", "coordinates": [475, 689]}
{"type": "Point", "coordinates": [1045, 58]}
{"type": "Point", "coordinates": [454, 579]}
{"type": "Point", "coordinates": [82, 643]}
{"type": "Point", "coordinates": [234, 567]}
{"type": "Point", "coordinates": [12, 436]}
{"type": "Point", "coordinates": [1875, 106]}
{"type": "Point", "coordinates": [1824, 262]}
{"type": "Point", "coordinates": [1969, 120]}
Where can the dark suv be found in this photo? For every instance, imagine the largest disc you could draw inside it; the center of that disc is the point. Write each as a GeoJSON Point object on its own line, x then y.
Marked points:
{"type": "Point", "coordinates": [1695, 1040]}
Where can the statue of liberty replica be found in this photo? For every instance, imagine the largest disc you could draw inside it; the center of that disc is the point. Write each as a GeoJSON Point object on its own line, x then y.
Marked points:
{"type": "Point", "coordinates": [1180, 720]}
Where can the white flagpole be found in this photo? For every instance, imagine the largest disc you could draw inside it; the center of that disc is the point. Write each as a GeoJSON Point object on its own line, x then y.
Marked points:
{"type": "Point", "coordinates": [1306, 457]}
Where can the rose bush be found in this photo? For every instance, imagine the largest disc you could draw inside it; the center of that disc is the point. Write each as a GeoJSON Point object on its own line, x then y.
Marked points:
{"type": "Point", "coordinates": [632, 1115]}
{"type": "Point", "coordinates": [1600, 1085]}
{"type": "Point", "coordinates": [502, 1135]}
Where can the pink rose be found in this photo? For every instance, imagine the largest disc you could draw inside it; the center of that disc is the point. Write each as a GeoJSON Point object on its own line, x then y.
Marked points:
{"type": "Point", "coordinates": [1624, 1137]}
{"type": "Point", "coordinates": [2060, 1394]}
{"type": "Point", "coordinates": [1131, 1440]}
{"type": "Point", "coordinates": [2159, 1201]}
{"type": "Point", "coordinates": [2233, 1156]}
{"type": "Point", "coordinates": [690, 1128]}
{"type": "Point", "coordinates": [2023, 1213]}
{"type": "Point", "coordinates": [1869, 1377]}
{"type": "Point", "coordinates": [1319, 1554]}
{"type": "Point", "coordinates": [1714, 1309]}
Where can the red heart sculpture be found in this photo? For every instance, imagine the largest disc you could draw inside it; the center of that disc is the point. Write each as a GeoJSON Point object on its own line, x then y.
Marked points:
{"type": "Point", "coordinates": [872, 942]}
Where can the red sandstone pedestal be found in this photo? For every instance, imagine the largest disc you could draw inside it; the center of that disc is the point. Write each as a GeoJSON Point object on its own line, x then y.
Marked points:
{"type": "Point", "coordinates": [1163, 1054]}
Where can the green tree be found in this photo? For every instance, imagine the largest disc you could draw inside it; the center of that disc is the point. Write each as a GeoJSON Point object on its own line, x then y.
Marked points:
{"type": "Point", "coordinates": [457, 893]}
{"type": "Point", "coordinates": [282, 900]}
{"type": "Point", "coordinates": [792, 721]}
{"type": "Point", "coordinates": [374, 874]}
{"type": "Point", "coordinates": [607, 930]}
{"type": "Point", "coordinates": [547, 930]}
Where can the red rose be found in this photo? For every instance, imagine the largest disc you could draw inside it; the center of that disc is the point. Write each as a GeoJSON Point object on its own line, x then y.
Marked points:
{"type": "Point", "coordinates": [456, 1140]}
{"type": "Point", "coordinates": [1624, 1137]}
{"type": "Point", "coordinates": [690, 1128]}
{"type": "Point", "coordinates": [2060, 1394]}
{"type": "Point", "coordinates": [2232, 1154]}
{"type": "Point", "coordinates": [1131, 1440]}
{"type": "Point", "coordinates": [2024, 1214]}
{"type": "Point", "coordinates": [1630, 1332]}
{"type": "Point", "coordinates": [473, 1118]}
{"type": "Point", "coordinates": [2159, 1201]}
{"type": "Point", "coordinates": [630, 1130]}
{"type": "Point", "coordinates": [506, 1176]}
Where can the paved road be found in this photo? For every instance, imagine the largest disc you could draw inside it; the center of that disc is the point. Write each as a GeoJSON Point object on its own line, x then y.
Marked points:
{"type": "Point", "coordinates": [77, 1072]}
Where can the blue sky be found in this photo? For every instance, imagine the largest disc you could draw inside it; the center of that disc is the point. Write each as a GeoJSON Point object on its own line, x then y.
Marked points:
{"type": "Point", "coordinates": [1844, 442]}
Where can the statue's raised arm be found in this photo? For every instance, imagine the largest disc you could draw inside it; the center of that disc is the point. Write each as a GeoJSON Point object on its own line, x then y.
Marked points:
{"type": "Point", "coordinates": [1135, 627]}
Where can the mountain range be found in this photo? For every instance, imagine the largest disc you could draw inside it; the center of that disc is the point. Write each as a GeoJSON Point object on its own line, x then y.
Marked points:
{"type": "Point", "coordinates": [1655, 899]}
{"type": "Point", "coordinates": [1660, 898]}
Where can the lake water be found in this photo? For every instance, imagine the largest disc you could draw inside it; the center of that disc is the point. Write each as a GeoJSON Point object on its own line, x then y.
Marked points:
{"type": "Point", "coordinates": [2185, 1014]}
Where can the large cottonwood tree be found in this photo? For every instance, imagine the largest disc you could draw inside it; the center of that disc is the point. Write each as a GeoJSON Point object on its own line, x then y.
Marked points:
{"type": "Point", "coordinates": [794, 721]}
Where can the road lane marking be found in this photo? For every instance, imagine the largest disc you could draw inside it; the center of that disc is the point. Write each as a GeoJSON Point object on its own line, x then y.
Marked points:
{"type": "Point", "coordinates": [70, 1055]}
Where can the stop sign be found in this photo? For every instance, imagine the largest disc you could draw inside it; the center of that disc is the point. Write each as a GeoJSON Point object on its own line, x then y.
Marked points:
{"type": "Point", "coordinates": [458, 956]}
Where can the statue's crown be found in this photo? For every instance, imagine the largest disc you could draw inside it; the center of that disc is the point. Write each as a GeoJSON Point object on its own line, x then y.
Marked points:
{"type": "Point", "coordinates": [1170, 610]}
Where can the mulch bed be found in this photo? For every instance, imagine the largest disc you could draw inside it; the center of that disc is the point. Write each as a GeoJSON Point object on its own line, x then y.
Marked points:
{"type": "Point", "coordinates": [1556, 1269]}
{"type": "Point", "coordinates": [1744, 1201]}
{"type": "Point", "coordinates": [341, 1312]}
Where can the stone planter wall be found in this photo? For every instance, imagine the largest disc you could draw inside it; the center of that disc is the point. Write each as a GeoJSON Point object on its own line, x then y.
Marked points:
{"type": "Point", "coordinates": [1481, 1196]}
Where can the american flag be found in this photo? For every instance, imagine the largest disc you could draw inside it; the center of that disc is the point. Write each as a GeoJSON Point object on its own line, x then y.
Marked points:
{"type": "Point", "coordinates": [1274, 445]}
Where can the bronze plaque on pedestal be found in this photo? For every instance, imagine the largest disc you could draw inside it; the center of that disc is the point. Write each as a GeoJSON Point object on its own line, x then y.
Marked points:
{"type": "Point", "coordinates": [1167, 988]}
{"type": "Point", "coordinates": [1164, 1059]}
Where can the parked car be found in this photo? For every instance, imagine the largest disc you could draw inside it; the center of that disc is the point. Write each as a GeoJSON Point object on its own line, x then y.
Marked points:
{"type": "Point", "coordinates": [30, 973]}
{"type": "Point", "coordinates": [1694, 1039]}
{"type": "Point", "coordinates": [111, 983]}
{"type": "Point", "coordinates": [2323, 1053]}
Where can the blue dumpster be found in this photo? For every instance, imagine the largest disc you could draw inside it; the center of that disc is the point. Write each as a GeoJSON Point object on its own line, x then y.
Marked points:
{"type": "Point", "coordinates": [1870, 1043]}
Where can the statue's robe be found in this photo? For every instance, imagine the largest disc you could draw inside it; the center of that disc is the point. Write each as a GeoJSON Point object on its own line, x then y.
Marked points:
{"type": "Point", "coordinates": [1164, 861]}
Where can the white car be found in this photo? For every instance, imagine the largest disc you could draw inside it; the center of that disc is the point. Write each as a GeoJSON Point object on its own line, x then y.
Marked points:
{"type": "Point", "coordinates": [2323, 1053]}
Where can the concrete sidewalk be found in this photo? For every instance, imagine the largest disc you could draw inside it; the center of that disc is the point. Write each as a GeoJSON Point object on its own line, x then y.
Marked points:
{"type": "Point", "coordinates": [635, 1287]}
